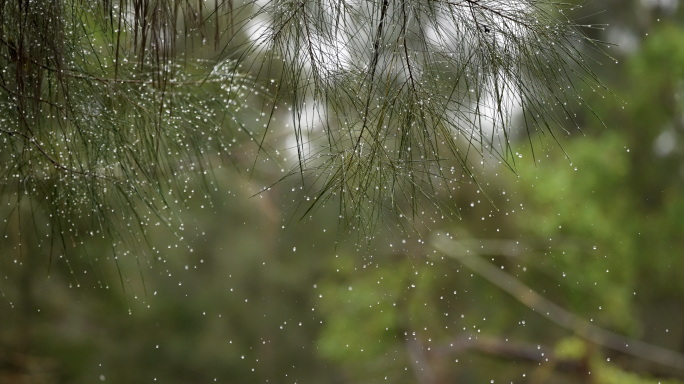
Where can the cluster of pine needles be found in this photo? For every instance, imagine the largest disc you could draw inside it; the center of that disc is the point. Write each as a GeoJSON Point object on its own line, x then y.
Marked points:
{"type": "Point", "coordinates": [109, 107]}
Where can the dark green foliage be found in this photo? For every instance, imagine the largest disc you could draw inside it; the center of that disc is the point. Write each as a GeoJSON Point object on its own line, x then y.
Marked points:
{"type": "Point", "coordinates": [102, 118]}
{"type": "Point", "coordinates": [107, 106]}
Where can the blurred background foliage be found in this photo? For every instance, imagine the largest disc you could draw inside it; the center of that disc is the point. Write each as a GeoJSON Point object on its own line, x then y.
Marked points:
{"type": "Point", "coordinates": [246, 294]}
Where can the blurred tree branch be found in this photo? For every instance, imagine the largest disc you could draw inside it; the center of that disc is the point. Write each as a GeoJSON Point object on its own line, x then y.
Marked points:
{"type": "Point", "coordinates": [541, 305]}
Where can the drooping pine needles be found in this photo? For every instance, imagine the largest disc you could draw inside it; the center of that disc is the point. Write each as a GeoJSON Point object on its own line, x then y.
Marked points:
{"type": "Point", "coordinates": [104, 106]}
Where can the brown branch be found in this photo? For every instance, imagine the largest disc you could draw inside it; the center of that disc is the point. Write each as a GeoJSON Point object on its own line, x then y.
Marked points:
{"type": "Point", "coordinates": [553, 312]}
{"type": "Point", "coordinates": [420, 360]}
{"type": "Point", "coordinates": [505, 349]}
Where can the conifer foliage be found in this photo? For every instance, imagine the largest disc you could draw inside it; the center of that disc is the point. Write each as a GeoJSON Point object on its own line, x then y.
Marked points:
{"type": "Point", "coordinates": [108, 106]}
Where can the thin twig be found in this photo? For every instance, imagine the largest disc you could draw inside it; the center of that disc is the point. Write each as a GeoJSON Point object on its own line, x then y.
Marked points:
{"type": "Point", "coordinates": [54, 162]}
